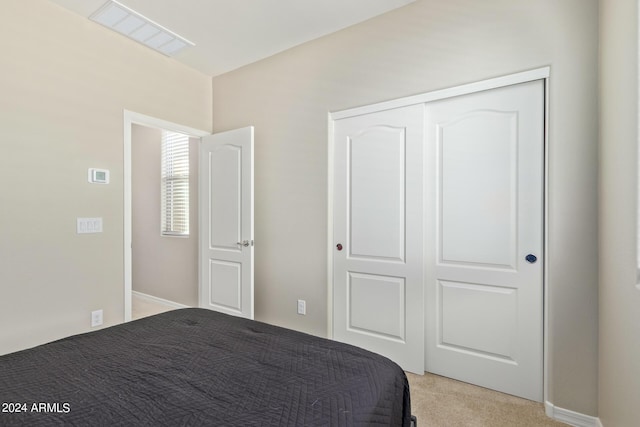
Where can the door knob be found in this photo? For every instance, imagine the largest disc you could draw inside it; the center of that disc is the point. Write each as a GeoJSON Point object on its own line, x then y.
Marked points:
{"type": "Point", "coordinates": [339, 246]}
{"type": "Point", "coordinates": [531, 258]}
{"type": "Point", "coordinates": [244, 243]}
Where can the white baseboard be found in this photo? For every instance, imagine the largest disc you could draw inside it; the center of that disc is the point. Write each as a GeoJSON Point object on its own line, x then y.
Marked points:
{"type": "Point", "coordinates": [570, 417]}
{"type": "Point", "coordinates": [158, 300]}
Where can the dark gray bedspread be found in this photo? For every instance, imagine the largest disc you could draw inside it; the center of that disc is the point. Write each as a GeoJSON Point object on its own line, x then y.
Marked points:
{"type": "Point", "coordinates": [199, 367]}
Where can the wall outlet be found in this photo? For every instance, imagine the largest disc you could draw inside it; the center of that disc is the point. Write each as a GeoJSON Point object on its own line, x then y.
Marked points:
{"type": "Point", "coordinates": [302, 307]}
{"type": "Point", "coordinates": [96, 318]}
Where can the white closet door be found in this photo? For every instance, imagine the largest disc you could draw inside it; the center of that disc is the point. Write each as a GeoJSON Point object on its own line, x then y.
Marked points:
{"type": "Point", "coordinates": [378, 216]}
{"type": "Point", "coordinates": [484, 302]}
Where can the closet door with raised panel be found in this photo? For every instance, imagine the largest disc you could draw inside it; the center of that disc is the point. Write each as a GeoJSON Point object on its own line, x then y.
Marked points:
{"type": "Point", "coordinates": [377, 248]}
{"type": "Point", "coordinates": [484, 222]}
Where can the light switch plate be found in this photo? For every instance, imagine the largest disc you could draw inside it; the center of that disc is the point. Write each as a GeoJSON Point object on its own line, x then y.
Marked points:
{"type": "Point", "coordinates": [88, 225]}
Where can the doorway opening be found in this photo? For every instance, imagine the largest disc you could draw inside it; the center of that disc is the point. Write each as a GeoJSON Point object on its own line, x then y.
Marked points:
{"type": "Point", "coordinates": [142, 140]}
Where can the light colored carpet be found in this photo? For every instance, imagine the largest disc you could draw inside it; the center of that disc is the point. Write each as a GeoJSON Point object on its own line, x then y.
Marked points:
{"type": "Point", "coordinates": [442, 402]}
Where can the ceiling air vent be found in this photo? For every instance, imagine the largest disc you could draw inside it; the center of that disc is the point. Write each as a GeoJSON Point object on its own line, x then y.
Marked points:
{"type": "Point", "coordinates": [130, 23]}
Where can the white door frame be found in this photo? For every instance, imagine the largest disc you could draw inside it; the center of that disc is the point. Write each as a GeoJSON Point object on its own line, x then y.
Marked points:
{"type": "Point", "coordinates": [131, 118]}
{"type": "Point", "coordinates": [512, 79]}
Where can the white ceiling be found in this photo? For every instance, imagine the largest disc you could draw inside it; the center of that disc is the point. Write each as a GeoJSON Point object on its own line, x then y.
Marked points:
{"type": "Point", "coordinates": [231, 33]}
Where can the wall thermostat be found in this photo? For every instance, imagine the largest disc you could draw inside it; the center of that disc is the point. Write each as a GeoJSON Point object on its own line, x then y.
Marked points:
{"type": "Point", "coordinates": [98, 176]}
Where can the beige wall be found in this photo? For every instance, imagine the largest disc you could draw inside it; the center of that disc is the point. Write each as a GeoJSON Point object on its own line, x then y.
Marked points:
{"type": "Point", "coordinates": [428, 45]}
{"type": "Point", "coordinates": [65, 83]}
{"type": "Point", "coordinates": [619, 298]}
{"type": "Point", "coordinates": [164, 267]}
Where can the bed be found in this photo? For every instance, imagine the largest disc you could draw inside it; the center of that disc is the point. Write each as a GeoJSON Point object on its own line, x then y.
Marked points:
{"type": "Point", "coordinates": [199, 367]}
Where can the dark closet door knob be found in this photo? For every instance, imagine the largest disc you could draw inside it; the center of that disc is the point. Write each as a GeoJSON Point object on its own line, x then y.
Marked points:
{"type": "Point", "coordinates": [531, 258]}
{"type": "Point", "coordinates": [339, 246]}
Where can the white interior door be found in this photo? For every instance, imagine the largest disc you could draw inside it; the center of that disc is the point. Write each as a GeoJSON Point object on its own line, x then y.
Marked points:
{"type": "Point", "coordinates": [378, 256]}
{"type": "Point", "coordinates": [226, 222]}
{"type": "Point", "coordinates": [484, 301]}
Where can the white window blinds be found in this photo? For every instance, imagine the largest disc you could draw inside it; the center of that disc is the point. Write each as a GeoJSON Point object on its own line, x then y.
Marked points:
{"type": "Point", "coordinates": [175, 184]}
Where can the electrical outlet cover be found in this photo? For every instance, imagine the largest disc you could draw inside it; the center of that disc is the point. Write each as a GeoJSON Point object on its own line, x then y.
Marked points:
{"type": "Point", "coordinates": [96, 318]}
{"type": "Point", "coordinates": [302, 307]}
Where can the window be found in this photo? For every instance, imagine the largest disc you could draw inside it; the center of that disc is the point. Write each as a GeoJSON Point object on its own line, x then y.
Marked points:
{"type": "Point", "coordinates": [175, 184]}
